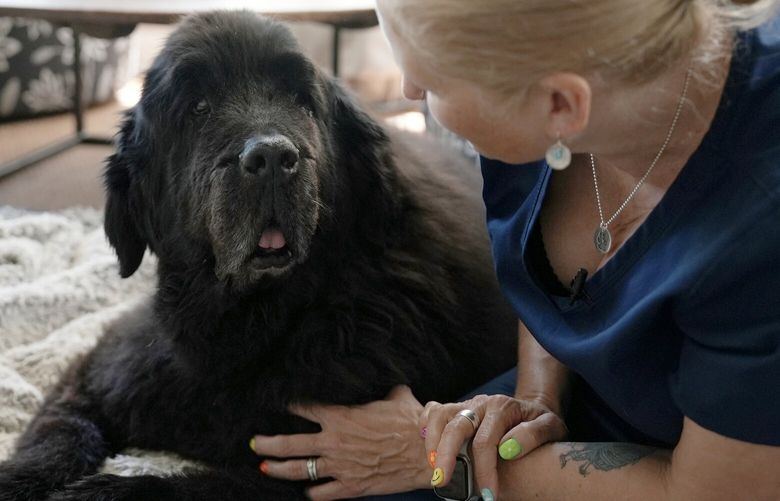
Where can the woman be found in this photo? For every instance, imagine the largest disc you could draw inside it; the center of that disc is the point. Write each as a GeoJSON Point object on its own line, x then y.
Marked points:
{"type": "Point", "coordinates": [642, 255]}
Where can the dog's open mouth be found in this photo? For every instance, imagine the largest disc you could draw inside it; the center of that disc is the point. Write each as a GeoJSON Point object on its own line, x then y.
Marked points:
{"type": "Point", "coordinates": [272, 250]}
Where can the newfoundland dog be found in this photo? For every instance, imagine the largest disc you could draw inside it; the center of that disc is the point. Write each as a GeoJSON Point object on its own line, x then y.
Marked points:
{"type": "Point", "coordinates": [304, 256]}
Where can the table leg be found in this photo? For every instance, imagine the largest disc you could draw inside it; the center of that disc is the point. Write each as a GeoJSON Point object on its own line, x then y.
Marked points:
{"type": "Point", "coordinates": [336, 48]}
{"type": "Point", "coordinates": [79, 85]}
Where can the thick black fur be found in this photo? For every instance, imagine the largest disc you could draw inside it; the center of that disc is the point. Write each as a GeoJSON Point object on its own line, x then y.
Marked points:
{"type": "Point", "coordinates": [388, 278]}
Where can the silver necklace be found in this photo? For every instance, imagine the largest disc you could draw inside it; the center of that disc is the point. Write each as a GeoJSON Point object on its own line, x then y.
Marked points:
{"type": "Point", "coordinates": [602, 239]}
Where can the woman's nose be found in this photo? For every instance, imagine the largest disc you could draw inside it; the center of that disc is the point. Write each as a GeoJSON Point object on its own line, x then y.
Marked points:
{"type": "Point", "coordinates": [410, 90]}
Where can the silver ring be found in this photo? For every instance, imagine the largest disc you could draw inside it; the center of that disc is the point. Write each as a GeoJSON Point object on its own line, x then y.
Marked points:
{"type": "Point", "coordinates": [471, 416]}
{"type": "Point", "coordinates": [311, 468]}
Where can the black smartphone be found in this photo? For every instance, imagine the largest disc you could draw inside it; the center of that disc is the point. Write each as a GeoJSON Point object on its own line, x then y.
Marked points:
{"type": "Point", "coordinates": [461, 485]}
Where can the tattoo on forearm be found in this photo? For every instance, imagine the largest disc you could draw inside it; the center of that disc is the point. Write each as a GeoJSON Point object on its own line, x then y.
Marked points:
{"type": "Point", "coordinates": [604, 456]}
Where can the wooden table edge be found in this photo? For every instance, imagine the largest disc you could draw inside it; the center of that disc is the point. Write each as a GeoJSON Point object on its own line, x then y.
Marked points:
{"type": "Point", "coordinates": [348, 18]}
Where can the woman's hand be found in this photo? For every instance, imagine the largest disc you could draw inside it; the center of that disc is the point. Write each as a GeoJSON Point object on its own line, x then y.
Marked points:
{"type": "Point", "coordinates": [370, 449]}
{"type": "Point", "coordinates": [505, 427]}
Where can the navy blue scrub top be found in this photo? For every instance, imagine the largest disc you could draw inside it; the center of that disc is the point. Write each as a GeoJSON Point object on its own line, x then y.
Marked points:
{"type": "Point", "coordinates": [684, 320]}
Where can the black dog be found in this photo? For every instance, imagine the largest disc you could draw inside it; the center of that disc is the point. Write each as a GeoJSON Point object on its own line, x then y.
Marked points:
{"type": "Point", "coordinates": [300, 261]}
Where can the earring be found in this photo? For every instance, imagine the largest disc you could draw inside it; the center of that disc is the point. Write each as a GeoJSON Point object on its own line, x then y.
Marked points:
{"type": "Point", "coordinates": [558, 155]}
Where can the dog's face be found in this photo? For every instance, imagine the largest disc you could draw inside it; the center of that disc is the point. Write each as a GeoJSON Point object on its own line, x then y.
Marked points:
{"type": "Point", "coordinates": [237, 154]}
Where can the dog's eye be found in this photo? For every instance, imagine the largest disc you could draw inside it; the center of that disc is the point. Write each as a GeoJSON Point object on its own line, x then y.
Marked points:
{"type": "Point", "coordinates": [201, 107]}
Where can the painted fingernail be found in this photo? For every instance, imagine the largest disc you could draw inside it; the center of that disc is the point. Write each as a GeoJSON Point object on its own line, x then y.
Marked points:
{"type": "Point", "coordinates": [264, 468]}
{"type": "Point", "coordinates": [252, 443]}
{"type": "Point", "coordinates": [487, 495]}
{"type": "Point", "coordinates": [510, 449]}
{"type": "Point", "coordinates": [438, 477]}
{"type": "Point", "coordinates": [424, 432]}
{"type": "Point", "coordinates": [432, 459]}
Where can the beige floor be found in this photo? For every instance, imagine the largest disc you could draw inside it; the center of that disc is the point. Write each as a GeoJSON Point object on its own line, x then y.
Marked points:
{"type": "Point", "coordinates": [69, 179]}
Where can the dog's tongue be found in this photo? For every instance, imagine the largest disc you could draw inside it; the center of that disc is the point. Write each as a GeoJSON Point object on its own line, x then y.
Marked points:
{"type": "Point", "coordinates": [272, 238]}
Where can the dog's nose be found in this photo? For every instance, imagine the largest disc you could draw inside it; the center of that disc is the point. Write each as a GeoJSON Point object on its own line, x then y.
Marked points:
{"type": "Point", "coordinates": [264, 155]}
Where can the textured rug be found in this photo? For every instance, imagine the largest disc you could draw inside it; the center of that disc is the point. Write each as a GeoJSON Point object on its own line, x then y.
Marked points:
{"type": "Point", "coordinates": [59, 289]}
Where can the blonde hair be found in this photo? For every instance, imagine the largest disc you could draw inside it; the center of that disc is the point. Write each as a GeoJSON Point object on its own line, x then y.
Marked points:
{"type": "Point", "coordinates": [504, 45]}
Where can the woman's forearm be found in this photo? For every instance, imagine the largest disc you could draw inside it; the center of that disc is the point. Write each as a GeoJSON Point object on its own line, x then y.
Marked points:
{"type": "Point", "coordinates": [540, 377]}
{"type": "Point", "coordinates": [587, 471]}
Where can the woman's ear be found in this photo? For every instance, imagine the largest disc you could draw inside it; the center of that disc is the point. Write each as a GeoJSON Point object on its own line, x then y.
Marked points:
{"type": "Point", "coordinates": [123, 213]}
{"type": "Point", "coordinates": [567, 104]}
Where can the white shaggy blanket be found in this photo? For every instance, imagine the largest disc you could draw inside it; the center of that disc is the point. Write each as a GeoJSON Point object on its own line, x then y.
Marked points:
{"type": "Point", "coordinates": [59, 288]}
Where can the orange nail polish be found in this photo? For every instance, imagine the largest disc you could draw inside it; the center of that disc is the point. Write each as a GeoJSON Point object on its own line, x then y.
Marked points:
{"type": "Point", "coordinates": [432, 459]}
{"type": "Point", "coordinates": [264, 468]}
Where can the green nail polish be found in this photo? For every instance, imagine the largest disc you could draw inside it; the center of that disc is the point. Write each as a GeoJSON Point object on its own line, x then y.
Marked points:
{"type": "Point", "coordinates": [510, 449]}
{"type": "Point", "coordinates": [487, 495]}
{"type": "Point", "coordinates": [252, 443]}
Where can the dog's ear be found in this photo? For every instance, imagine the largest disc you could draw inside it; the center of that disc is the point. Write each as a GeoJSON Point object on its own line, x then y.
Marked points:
{"type": "Point", "coordinates": [365, 150]}
{"type": "Point", "coordinates": [123, 214]}
{"type": "Point", "coordinates": [355, 126]}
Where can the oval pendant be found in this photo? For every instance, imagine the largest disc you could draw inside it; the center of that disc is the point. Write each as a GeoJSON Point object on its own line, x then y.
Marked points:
{"type": "Point", "coordinates": [602, 239]}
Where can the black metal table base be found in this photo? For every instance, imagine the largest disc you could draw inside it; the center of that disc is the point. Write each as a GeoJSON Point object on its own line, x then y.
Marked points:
{"type": "Point", "coordinates": [50, 151]}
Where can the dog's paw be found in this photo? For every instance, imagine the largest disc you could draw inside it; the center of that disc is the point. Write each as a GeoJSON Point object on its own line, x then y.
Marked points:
{"type": "Point", "coordinates": [21, 484]}
{"type": "Point", "coordinates": [103, 487]}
